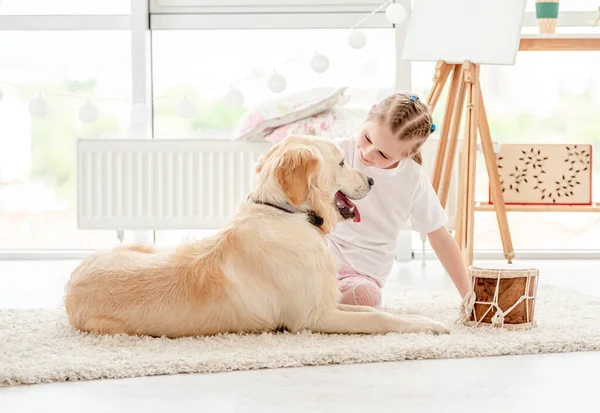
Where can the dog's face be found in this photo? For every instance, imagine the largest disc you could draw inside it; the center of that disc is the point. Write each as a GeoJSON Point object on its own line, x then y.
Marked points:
{"type": "Point", "coordinates": [312, 174]}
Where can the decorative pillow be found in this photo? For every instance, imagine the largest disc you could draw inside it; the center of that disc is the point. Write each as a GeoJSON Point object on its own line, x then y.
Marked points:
{"type": "Point", "coordinates": [333, 123]}
{"type": "Point", "coordinates": [262, 120]}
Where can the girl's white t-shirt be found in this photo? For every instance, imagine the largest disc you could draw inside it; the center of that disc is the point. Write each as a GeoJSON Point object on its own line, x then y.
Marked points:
{"type": "Point", "coordinates": [398, 196]}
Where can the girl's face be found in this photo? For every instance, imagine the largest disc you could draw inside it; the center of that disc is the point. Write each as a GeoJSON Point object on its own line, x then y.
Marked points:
{"type": "Point", "coordinates": [378, 147]}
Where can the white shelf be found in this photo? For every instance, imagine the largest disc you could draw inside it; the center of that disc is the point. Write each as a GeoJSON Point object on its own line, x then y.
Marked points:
{"type": "Point", "coordinates": [595, 207]}
{"type": "Point", "coordinates": [560, 42]}
{"type": "Point", "coordinates": [559, 36]}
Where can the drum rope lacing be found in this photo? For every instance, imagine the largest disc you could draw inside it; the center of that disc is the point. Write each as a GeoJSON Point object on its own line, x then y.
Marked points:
{"type": "Point", "coordinates": [470, 299]}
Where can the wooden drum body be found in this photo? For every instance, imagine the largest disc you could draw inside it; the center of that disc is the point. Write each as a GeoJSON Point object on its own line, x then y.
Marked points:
{"type": "Point", "coordinates": [501, 297]}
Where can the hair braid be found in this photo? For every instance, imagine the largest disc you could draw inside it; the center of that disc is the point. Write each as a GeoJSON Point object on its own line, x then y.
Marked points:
{"type": "Point", "coordinates": [407, 117]}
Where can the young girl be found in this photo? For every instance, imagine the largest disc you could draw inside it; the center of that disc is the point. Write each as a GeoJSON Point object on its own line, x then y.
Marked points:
{"type": "Point", "coordinates": [387, 149]}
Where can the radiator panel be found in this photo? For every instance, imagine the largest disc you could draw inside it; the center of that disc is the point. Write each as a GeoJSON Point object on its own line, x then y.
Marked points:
{"type": "Point", "coordinates": [163, 184]}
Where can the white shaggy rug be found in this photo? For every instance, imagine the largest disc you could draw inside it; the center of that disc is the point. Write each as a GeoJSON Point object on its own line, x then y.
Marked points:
{"type": "Point", "coordinates": [39, 346]}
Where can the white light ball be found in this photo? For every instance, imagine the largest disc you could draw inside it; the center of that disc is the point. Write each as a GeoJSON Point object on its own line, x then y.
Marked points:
{"type": "Point", "coordinates": [38, 107]}
{"type": "Point", "coordinates": [138, 113]}
{"type": "Point", "coordinates": [395, 13]}
{"type": "Point", "coordinates": [320, 63]}
{"type": "Point", "coordinates": [234, 98]}
{"type": "Point", "coordinates": [88, 113]}
{"type": "Point", "coordinates": [1, 95]}
{"type": "Point", "coordinates": [357, 40]}
{"type": "Point", "coordinates": [186, 109]}
{"type": "Point", "coordinates": [277, 83]}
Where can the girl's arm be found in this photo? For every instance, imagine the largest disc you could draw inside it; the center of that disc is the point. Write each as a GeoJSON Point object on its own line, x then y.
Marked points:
{"type": "Point", "coordinates": [447, 251]}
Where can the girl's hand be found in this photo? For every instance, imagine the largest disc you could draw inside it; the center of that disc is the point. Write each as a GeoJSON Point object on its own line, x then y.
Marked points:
{"type": "Point", "coordinates": [445, 247]}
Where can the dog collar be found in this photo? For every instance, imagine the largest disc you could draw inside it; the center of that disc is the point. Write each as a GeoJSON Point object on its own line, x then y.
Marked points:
{"type": "Point", "coordinates": [313, 218]}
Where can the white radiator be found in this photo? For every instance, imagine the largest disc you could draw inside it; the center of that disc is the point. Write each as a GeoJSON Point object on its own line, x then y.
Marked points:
{"type": "Point", "coordinates": [163, 184]}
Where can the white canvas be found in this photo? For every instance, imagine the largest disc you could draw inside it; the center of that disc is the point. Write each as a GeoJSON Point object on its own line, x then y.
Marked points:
{"type": "Point", "coordinates": [481, 31]}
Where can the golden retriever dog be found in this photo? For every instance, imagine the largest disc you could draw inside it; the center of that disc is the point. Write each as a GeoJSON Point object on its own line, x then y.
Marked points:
{"type": "Point", "coordinates": [268, 269]}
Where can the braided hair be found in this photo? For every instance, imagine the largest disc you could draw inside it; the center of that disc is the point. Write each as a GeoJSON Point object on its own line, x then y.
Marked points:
{"type": "Point", "coordinates": [407, 117]}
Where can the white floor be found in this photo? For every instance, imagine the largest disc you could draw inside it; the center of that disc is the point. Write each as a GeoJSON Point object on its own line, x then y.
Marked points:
{"type": "Point", "coordinates": [548, 383]}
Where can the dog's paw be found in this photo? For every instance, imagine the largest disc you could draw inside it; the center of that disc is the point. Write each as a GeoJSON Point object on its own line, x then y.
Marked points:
{"type": "Point", "coordinates": [431, 327]}
{"type": "Point", "coordinates": [438, 328]}
{"type": "Point", "coordinates": [422, 324]}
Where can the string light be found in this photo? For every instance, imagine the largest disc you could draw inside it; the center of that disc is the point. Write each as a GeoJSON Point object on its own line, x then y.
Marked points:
{"type": "Point", "coordinates": [88, 113]}
{"type": "Point", "coordinates": [186, 109]}
{"type": "Point", "coordinates": [38, 107]}
{"type": "Point", "coordinates": [395, 13]}
{"type": "Point", "coordinates": [234, 98]}
{"type": "Point", "coordinates": [276, 82]}
{"type": "Point", "coordinates": [357, 39]}
{"type": "Point", "coordinates": [319, 63]}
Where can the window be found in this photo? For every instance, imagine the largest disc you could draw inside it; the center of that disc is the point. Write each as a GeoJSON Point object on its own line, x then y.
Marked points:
{"type": "Point", "coordinates": [206, 70]}
{"type": "Point", "coordinates": [547, 97]}
{"type": "Point", "coordinates": [63, 7]}
{"type": "Point", "coordinates": [68, 57]}
{"type": "Point", "coordinates": [241, 6]}
{"type": "Point", "coordinates": [199, 47]}
{"type": "Point", "coordinates": [37, 154]}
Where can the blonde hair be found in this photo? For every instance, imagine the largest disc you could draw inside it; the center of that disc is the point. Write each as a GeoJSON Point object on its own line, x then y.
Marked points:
{"type": "Point", "coordinates": [407, 117]}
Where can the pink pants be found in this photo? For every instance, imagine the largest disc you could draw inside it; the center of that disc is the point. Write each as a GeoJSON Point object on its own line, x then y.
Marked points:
{"type": "Point", "coordinates": [358, 288]}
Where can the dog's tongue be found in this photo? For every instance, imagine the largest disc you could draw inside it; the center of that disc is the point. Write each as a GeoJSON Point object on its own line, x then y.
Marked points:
{"type": "Point", "coordinates": [351, 204]}
{"type": "Point", "coordinates": [356, 213]}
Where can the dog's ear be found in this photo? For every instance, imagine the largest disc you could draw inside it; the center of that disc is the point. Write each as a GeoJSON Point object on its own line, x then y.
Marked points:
{"type": "Point", "coordinates": [259, 165]}
{"type": "Point", "coordinates": [261, 162]}
{"type": "Point", "coordinates": [295, 173]}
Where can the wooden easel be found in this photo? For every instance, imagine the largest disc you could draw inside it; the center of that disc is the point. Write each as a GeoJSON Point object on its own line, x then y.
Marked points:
{"type": "Point", "coordinates": [465, 85]}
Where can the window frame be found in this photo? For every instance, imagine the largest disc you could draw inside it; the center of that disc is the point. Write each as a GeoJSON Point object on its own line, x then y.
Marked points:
{"type": "Point", "coordinates": [249, 21]}
{"type": "Point", "coordinates": [262, 6]}
{"type": "Point", "coordinates": [149, 15]}
{"type": "Point", "coordinates": [67, 22]}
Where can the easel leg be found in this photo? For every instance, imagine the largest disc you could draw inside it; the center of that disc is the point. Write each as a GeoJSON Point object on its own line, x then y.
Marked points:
{"type": "Point", "coordinates": [463, 166]}
{"type": "Point", "coordinates": [442, 70]}
{"type": "Point", "coordinates": [471, 121]}
{"type": "Point", "coordinates": [462, 200]}
{"type": "Point", "coordinates": [442, 153]}
{"type": "Point", "coordinates": [455, 118]}
{"type": "Point", "coordinates": [468, 151]}
{"type": "Point", "coordinates": [466, 79]}
{"type": "Point", "coordinates": [495, 187]}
